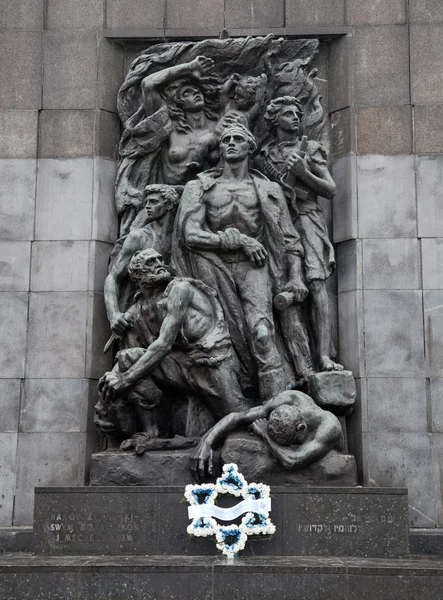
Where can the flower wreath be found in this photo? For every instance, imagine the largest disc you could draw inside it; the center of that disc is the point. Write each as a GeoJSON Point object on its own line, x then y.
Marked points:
{"type": "Point", "coordinates": [256, 503]}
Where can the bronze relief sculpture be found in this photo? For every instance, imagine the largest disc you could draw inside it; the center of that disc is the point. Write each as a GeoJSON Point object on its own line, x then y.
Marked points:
{"type": "Point", "coordinates": [216, 293]}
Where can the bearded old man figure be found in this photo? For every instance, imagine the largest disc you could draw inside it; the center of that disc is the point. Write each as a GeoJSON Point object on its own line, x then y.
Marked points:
{"type": "Point", "coordinates": [186, 350]}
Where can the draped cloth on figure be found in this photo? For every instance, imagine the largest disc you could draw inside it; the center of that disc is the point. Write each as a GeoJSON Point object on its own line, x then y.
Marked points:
{"type": "Point", "coordinates": [280, 240]}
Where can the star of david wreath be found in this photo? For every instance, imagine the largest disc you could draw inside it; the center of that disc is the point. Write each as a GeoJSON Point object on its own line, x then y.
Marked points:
{"type": "Point", "coordinates": [255, 507]}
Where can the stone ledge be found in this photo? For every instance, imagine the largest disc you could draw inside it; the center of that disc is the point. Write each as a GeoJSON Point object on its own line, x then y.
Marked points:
{"type": "Point", "coordinates": [27, 562]}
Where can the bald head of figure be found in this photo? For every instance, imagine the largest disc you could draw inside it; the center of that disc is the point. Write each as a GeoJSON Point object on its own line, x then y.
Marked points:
{"type": "Point", "coordinates": [286, 425]}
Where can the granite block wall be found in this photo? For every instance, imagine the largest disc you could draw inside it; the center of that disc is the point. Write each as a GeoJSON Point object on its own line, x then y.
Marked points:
{"type": "Point", "coordinates": [59, 134]}
{"type": "Point", "coordinates": [60, 68]}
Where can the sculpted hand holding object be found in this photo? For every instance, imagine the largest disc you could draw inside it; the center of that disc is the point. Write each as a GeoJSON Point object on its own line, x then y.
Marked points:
{"type": "Point", "coordinates": [300, 166]}
{"type": "Point", "coordinates": [209, 305]}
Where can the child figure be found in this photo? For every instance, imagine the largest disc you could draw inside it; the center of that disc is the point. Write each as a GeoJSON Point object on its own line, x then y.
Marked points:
{"type": "Point", "coordinates": [243, 106]}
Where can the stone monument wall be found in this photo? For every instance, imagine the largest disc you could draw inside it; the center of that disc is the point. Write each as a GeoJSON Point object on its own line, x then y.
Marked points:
{"type": "Point", "coordinates": [62, 63]}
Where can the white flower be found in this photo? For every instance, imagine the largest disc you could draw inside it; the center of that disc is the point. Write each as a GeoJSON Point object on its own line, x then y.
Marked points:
{"type": "Point", "coordinates": [257, 491]}
{"type": "Point", "coordinates": [205, 490]}
{"type": "Point", "coordinates": [203, 527]}
{"type": "Point", "coordinates": [231, 482]}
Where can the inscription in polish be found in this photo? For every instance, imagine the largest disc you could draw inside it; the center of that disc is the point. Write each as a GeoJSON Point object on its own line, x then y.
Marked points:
{"type": "Point", "coordinates": [74, 527]}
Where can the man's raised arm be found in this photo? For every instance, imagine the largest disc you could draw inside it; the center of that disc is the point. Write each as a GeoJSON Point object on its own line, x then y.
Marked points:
{"type": "Point", "coordinates": [113, 282]}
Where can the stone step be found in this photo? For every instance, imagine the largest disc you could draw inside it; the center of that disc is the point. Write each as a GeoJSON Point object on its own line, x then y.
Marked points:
{"type": "Point", "coordinates": [26, 577]}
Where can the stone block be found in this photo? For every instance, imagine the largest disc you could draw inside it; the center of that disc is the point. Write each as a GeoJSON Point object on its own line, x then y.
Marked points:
{"type": "Point", "coordinates": [429, 196]}
{"type": "Point", "coordinates": [336, 511]}
{"type": "Point", "coordinates": [15, 259]}
{"type": "Point", "coordinates": [340, 73]}
{"type": "Point", "coordinates": [436, 395]}
{"type": "Point", "coordinates": [321, 63]}
{"type": "Point", "coordinates": [344, 205]}
{"type": "Point", "coordinates": [391, 264]}
{"type": "Point", "coordinates": [13, 325]}
{"type": "Point", "coordinates": [81, 14]}
{"type": "Point", "coordinates": [64, 199]}
{"type": "Point", "coordinates": [425, 541]}
{"type": "Point", "coordinates": [180, 586]}
{"type": "Point", "coordinates": [8, 452]}
{"type": "Point", "coordinates": [432, 263]}
{"type": "Point", "coordinates": [70, 69]}
{"type": "Point", "coordinates": [56, 335]}
{"type": "Point", "coordinates": [433, 318]}
{"type": "Point", "coordinates": [357, 422]}
{"type": "Point", "coordinates": [110, 73]}
{"type": "Point", "coordinates": [342, 133]}
{"type": "Point", "coordinates": [350, 332]}
{"type": "Point", "coordinates": [48, 585]}
{"type": "Point", "coordinates": [17, 198]}
{"type": "Point", "coordinates": [54, 405]}
{"type": "Point", "coordinates": [397, 404]}
{"type": "Point", "coordinates": [258, 586]}
{"type": "Point", "coordinates": [99, 253]}
{"type": "Point", "coordinates": [15, 539]}
{"type": "Point", "coordinates": [437, 453]}
{"type": "Point", "coordinates": [21, 14]}
{"type": "Point", "coordinates": [256, 463]}
{"type": "Point", "coordinates": [9, 405]}
{"type": "Point", "coordinates": [104, 220]}
{"type": "Point", "coordinates": [425, 11]}
{"type": "Point", "coordinates": [195, 13]}
{"type": "Point", "coordinates": [19, 133]}
{"type": "Point", "coordinates": [393, 325]}
{"type": "Point", "coordinates": [135, 14]}
{"type": "Point", "coordinates": [98, 334]}
{"type": "Point", "coordinates": [378, 80]}
{"type": "Point", "coordinates": [426, 63]}
{"type": "Point", "coordinates": [66, 133]}
{"type": "Point", "coordinates": [404, 460]}
{"type": "Point", "coordinates": [107, 135]}
{"type": "Point", "coordinates": [130, 55]}
{"type": "Point", "coordinates": [250, 14]}
{"type": "Point", "coordinates": [314, 12]}
{"type": "Point", "coordinates": [45, 459]}
{"type": "Point", "coordinates": [349, 266]}
{"type": "Point", "coordinates": [384, 130]}
{"type": "Point", "coordinates": [362, 587]}
{"type": "Point", "coordinates": [334, 391]}
{"type": "Point", "coordinates": [160, 468]}
{"type": "Point", "coordinates": [357, 445]}
{"type": "Point", "coordinates": [428, 130]}
{"type": "Point", "coordinates": [20, 67]}
{"type": "Point", "coordinates": [376, 12]}
{"type": "Point", "coordinates": [377, 520]}
{"type": "Point", "coordinates": [427, 586]}
{"type": "Point", "coordinates": [386, 196]}
{"type": "Point", "coordinates": [59, 266]}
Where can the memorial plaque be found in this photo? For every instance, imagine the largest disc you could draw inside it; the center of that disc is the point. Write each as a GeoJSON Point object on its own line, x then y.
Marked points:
{"type": "Point", "coordinates": [153, 520]}
{"type": "Point", "coordinates": [357, 522]}
{"type": "Point", "coordinates": [79, 521]}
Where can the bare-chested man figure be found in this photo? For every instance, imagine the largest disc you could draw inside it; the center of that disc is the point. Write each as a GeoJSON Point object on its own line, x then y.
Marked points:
{"type": "Point", "coordinates": [296, 431]}
{"type": "Point", "coordinates": [234, 232]}
{"type": "Point", "coordinates": [152, 229]}
{"type": "Point", "coordinates": [187, 347]}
